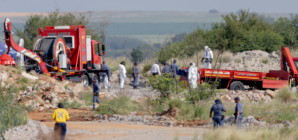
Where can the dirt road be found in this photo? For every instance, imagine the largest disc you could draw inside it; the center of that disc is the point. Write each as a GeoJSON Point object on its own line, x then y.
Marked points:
{"type": "Point", "coordinates": [133, 132]}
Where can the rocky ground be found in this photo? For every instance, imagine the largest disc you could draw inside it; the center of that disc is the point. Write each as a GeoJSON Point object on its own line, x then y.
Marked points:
{"type": "Point", "coordinates": [248, 95]}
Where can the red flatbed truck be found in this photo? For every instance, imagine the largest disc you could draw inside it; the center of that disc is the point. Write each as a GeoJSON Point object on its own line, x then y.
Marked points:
{"type": "Point", "coordinates": [235, 80]}
{"type": "Point", "coordinates": [62, 52]}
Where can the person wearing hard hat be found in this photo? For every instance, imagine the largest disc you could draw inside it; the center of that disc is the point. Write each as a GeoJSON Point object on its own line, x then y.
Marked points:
{"type": "Point", "coordinates": [208, 56]}
{"type": "Point", "coordinates": [60, 115]}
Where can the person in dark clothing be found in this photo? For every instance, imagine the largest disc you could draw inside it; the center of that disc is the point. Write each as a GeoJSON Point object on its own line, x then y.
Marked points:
{"type": "Point", "coordinates": [174, 68]}
{"type": "Point", "coordinates": [135, 75]}
{"type": "Point", "coordinates": [104, 74]}
{"type": "Point", "coordinates": [218, 110]}
{"type": "Point", "coordinates": [96, 89]}
{"type": "Point", "coordinates": [238, 112]}
{"type": "Point", "coordinates": [166, 69]}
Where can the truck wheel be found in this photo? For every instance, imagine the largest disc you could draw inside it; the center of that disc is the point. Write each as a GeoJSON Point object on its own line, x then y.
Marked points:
{"type": "Point", "coordinates": [85, 80]}
{"type": "Point", "coordinates": [236, 85]}
{"type": "Point", "coordinates": [96, 77]}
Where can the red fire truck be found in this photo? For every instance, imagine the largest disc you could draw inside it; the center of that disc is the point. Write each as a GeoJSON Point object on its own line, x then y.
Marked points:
{"type": "Point", "coordinates": [62, 52]}
{"type": "Point", "coordinates": [235, 80]}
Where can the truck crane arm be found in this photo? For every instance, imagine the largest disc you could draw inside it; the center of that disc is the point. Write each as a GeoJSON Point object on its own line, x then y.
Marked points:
{"type": "Point", "coordinates": [10, 43]}
{"type": "Point", "coordinates": [286, 57]}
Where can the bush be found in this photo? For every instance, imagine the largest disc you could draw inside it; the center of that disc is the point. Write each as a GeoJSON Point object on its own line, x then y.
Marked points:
{"type": "Point", "coordinates": [73, 104]}
{"type": "Point", "coordinates": [122, 105]}
{"type": "Point", "coordinates": [147, 67]}
{"type": "Point", "coordinates": [237, 60]}
{"type": "Point", "coordinates": [87, 97]}
{"type": "Point", "coordinates": [285, 95]}
{"type": "Point", "coordinates": [265, 60]}
{"type": "Point", "coordinates": [203, 92]}
{"type": "Point", "coordinates": [12, 113]}
{"type": "Point", "coordinates": [163, 85]}
{"type": "Point", "coordinates": [25, 80]}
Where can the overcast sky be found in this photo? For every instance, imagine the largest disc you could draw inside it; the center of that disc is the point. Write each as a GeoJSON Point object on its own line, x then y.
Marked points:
{"type": "Point", "coordinates": [261, 6]}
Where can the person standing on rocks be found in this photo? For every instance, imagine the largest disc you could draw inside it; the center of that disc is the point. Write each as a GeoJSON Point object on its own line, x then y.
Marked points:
{"type": "Point", "coordinates": [238, 112]}
{"type": "Point", "coordinates": [122, 74]}
{"type": "Point", "coordinates": [104, 74]}
{"type": "Point", "coordinates": [96, 89]}
{"type": "Point", "coordinates": [135, 75]}
{"type": "Point", "coordinates": [208, 56]}
{"type": "Point", "coordinates": [174, 68]}
{"type": "Point", "coordinates": [218, 110]}
{"type": "Point", "coordinates": [155, 69]}
{"type": "Point", "coordinates": [60, 115]}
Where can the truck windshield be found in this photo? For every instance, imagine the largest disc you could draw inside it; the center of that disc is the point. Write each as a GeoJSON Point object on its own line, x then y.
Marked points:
{"type": "Point", "coordinates": [96, 49]}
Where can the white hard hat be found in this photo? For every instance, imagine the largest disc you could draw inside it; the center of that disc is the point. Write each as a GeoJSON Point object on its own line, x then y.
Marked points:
{"type": "Point", "coordinates": [206, 47]}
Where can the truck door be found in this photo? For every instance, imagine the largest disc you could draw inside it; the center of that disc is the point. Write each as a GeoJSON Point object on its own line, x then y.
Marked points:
{"type": "Point", "coordinates": [96, 58]}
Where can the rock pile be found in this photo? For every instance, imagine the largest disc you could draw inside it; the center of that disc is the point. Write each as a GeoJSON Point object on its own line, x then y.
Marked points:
{"type": "Point", "coordinates": [251, 95]}
{"type": "Point", "coordinates": [48, 95]}
{"type": "Point", "coordinates": [132, 118]}
{"type": "Point", "coordinates": [36, 130]}
{"type": "Point", "coordinates": [255, 60]}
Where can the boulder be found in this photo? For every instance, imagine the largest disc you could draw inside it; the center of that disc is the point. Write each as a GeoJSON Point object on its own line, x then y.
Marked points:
{"type": "Point", "coordinates": [58, 89]}
{"type": "Point", "coordinates": [226, 98]}
{"type": "Point", "coordinates": [3, 76]}
{"type": "Point", "coordinates": [29, 76]}
{"type": "Point", "coordinates": [54, 102]}
{"type": "Point", "coordinates": [29, 89]}
{"type": "Point", "coordinates": [41, 108]}
{"type": "Point", "coordinates": [271, 93]}
{"type": "Point", "coordinates": [256, 97]}
{"type": "Point", "coordinates": [288, 124]}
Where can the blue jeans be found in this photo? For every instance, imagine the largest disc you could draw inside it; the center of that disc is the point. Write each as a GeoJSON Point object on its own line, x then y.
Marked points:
{"type": "Point", "coordinates": [217, 121]}
{"type": "Point", "coordinates": [240, 117]}
{"type": "Point", "coordinates": [95, 99]}
{"type": "Point", "coordinates": [103, 78]}
{"type": "Point", "coordinates": [135, 81]}
{"type": "Point", "coordinates": [61, 126]}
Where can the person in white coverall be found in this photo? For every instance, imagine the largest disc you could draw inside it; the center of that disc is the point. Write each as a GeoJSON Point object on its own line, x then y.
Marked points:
{"type": "Point", "coordinates": [122, 74]}
{"type": "Point", "coordinates": [208, 56]}
{"type": "Point", "coordinates": [192, 75]}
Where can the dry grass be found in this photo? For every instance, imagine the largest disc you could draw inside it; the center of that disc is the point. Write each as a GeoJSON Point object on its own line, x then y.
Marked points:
{"type": "Point", "coordinates": [232, 133]}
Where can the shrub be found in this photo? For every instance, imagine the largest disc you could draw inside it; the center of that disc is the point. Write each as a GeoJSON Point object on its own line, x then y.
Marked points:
{"type": "Point", "coordinates": [163, 85]}
{"type": "Point", "coordinates": [12, 113]}
{"type": "Point", "coordinates": [19, 71]}
{"type": "Point", "coordinates": [87, 97]}
{"type": "Point", "coordinates": [147, 67]}
{"type": "Point", "coordinates": [285, 95]}
{"type": "Point", "coordinates": [265, 60]}
{"type": "Point", "coordinates": [237, 60]}
{"type": "Point", "coordinates": [121, 105]}
{"type": "Point", "coordinates": [24, 87]}
{"type": "Point", "coordinates": [73, 104]}
{"type": "Point", "coordinates": [25, 80]}
{"type": "Point", "coordinates": [203, 92]}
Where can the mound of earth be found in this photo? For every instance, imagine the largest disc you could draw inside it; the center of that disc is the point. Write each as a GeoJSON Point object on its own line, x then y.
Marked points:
{"type": "Point", "coordinates": [255, 60]}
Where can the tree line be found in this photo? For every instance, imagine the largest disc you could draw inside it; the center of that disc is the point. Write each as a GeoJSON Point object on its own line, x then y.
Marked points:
{"type": "Point", "coordinates": [242, 31]}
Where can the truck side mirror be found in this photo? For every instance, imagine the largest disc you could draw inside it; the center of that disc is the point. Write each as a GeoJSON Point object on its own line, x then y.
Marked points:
{"type": "Point", "coordinates": [103, 47]}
